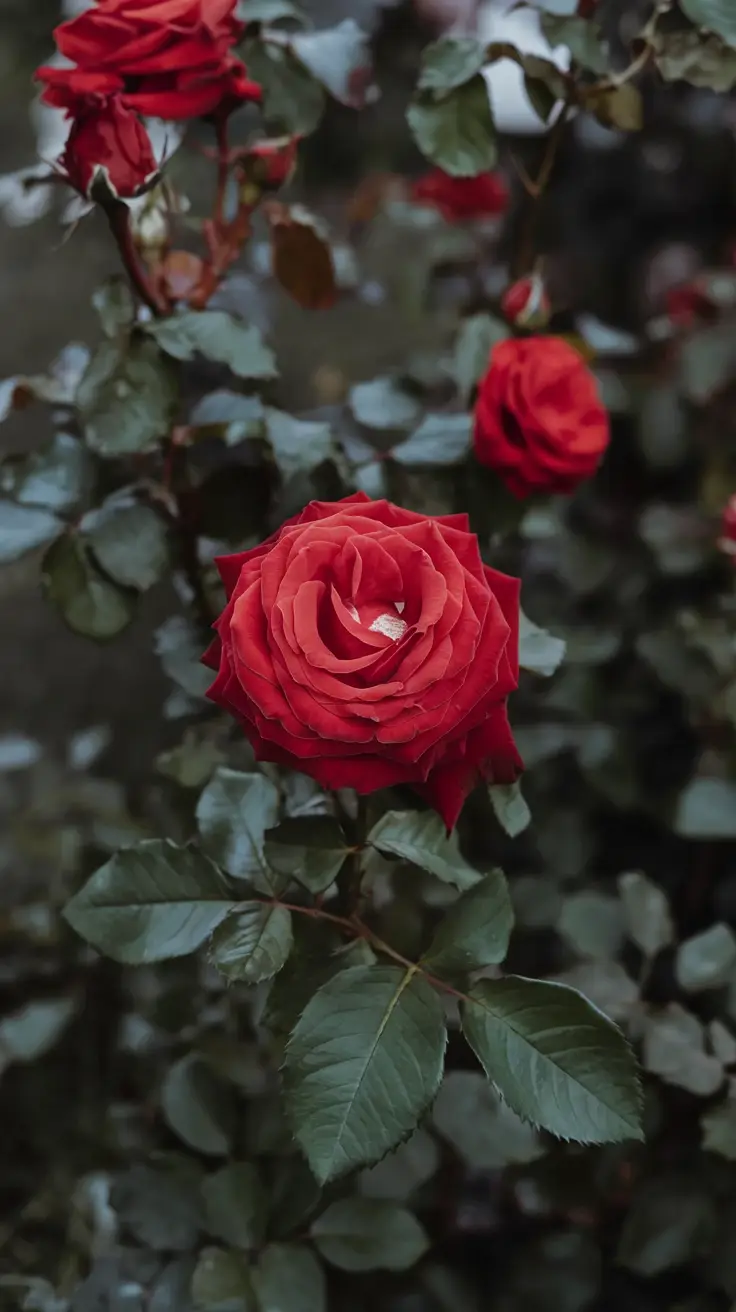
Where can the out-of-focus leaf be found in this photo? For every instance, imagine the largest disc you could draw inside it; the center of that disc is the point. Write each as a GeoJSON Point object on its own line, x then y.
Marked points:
{"type": "Point", "coordinates": [648, 918]}
{"type": "Point", "coordinates": [89, 603]}
{"type": "Point", "coordinates": [293, 99]}
{"type": "Point", "coordinates": [707, 809]}
{"type": "Point", "coordinates": [582, 38]}
{"type": "Point", "coordinates": [301, 256]}
{"type": "Point", "coordinates": [707, 960]}
{"type": "Point", "coordinates": [510, 808]}
{"type": "Point", "coordinates": [289, 1278]}
{"type": "Point", "coordinates": [127, 398]}
{"type": "Point", "coordinates": [235, 1205]}
{"type": "Point", "coordinates": [129, 540]}
{"type": "Point", "coordinates": [115, 305]}
{"type": "Point", "coordinates": [457, 133]}
{"type": "Point", "coordinates": [674, 1049]}
{"type": "Point", "coordinates": [383, 404]}
{"type": "Point", "coordinates": [196, 1106]}
{"type": "Point", "coordinates": [480, 1126]}
{"type": "Point", "coordinates": [222, 1282]}
{"type": "Point", "coordinates": [364, 1234]}
{"type": "Point", "coordinates": [233, 814]}
{"type": "Point", "coordinates": [339, 58]}
{"type": "Point", "coordinates": [539, 652]}
{"type": "Point", "coordinates": [23, 528]}
{"type": "Point", "coordinates": [439, 440]}
{"type": "Point", "coordinates": [450, 62]}
{"type": "Point", "coordinates": [694, 57]}
{"type": "Point", "coordinates": [719, 1129]}
{"type": "Point", "coordinates": [715, 15]}
{"type": "Point", "coordinates": [403, 1171]}
{"type": "Point", "coordinates": [179, 648]}
{"type": "Point", "coordinates": [476, 338]}
{"type": "Point", "coordinates": [592, 924]}
{"type": "Point", "coordinates": [53, 478]}
{"type": "Point", "coordinates": [670, 1223]}
{"type": "Point", "coordinates": [229, 415]}
{"type": "Point", "coordinates": [28, 1034]}
{"type": "Point", "coordinates": [160, 1204]}
{"type": "Point", "coordinates": [310, 848]}
{"type": "Point", "coordinates": [297, 444]}
{"type": "Point", "coordinates": [219, 337]}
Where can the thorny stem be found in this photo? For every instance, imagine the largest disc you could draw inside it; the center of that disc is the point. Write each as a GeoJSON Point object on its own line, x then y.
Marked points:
{"type": "Point", "coordinates": [358, 930]}
{"type": "Point", "coordinates": [536, 188]}
{"type": "Point", "coordinates": [223, 170]}
{"type": "Point", "coordinates": [118, 217]}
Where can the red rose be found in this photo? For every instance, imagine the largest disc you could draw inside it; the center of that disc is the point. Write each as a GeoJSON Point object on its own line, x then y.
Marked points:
{"type": "Point", "coordinates": [526, 303]}
{"type": "Point", "coordinates": [109, 141]}
{"type": "Point", "coordinates": [368, 646]}
{"type": "Point", "coordinates": [462, 198]}
{"type": "Point", "coordinates": [539, 421]}
{"type": "Point", "coordinates": [170, 58]}
{"type": "Point", "coordinates": [727, 540]}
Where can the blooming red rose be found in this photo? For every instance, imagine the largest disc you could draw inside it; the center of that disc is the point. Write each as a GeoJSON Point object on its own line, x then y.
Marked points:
{"type": "Point", "coordinates": [727, 540]}
{"type": "Point", "coordinates": [539, 420]}
{"type": "Point", "coordinates": [170, 59]}
{"type": "Point", "coordinates": [369, 646]}
{"type": "Point", "coordinates": [109, 141]}
{"type": "Point", "coordinates": [462, 198]}
{"type": "Point", "coordinates": [526, 303]}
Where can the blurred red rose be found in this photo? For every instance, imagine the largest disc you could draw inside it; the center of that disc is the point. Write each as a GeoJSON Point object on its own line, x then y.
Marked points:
{"type": "Point", "coordinates": [171, 59]}
{"type": "Point", "coordinates": [688, 305]}
{"type": "Point", "coordinates": [539, 420]}
{"type": "Point", "coordinates": [727, 540]}
{"type": "Point", "coordinates": [109, 142]}
{"type": "Point", "coordinates": [369, 646]}
{"type": "Point", "coordinates": [526, 303]}
{"type": "Point", "coordinates": [462, 198]}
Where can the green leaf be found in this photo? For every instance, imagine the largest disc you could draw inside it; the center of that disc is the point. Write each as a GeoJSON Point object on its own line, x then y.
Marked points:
{"type": "Point", "coordinates": [222, 1283]}
{"type": "Point", "coordinates": [179, 647]}
{"type": "Point", "coordinates": [54, 478]}
{"type": "Point", "coordinates": [707, 960]}
{"type": "Point", "coordinates": [192, 763]}
{"type": "Point", "coordinates": [719, 1130]}
{"type": "Point", "coordinates": [196, 1106]}
{"type": "Point", "coordinates": [316, 958]}
{"type": "Point", "coordinates": [510, 808]}
{"type": "Point", "coordinates": [476, 930]}
{"type": "Point", "coordinates": [362, 1065]}
{"type": "Point", "coordinates": [127, 399]}
{"type": "Point", "coordinates": [310, 848]}
{"type": "Point", "coordinates": [89, 603]}
{"type": "Point", "coordinates": [383, 404]}
{"type": "Point", "coordinates": [674, 1049]}
{"type": "Point", "coordinates": [582, 38]}
{"type": "Point", "coordinates": [398, 1175]}
{"type": "Point", "coordinates": [129, 541]}
{"type": "Point", "coordinates": [151, 902]}
{"type": "Point", "coordinates": [235, 1205]}
{"type": "Point", "coordinates": [707, 361]}
{"type": "Point", "coordinates": [30, 1033]}
{"type": "Point", "coordinates": [23, 528]}
{"type": "Point", "coordinates": [592, 924]}
{"type": "Point", "coordinates": [671, 1222]}
{"type": "Point", "coordinates": [558, 1062]}
{"type": "Point", "coordinates": [480, 1126]}
{"type": "Point", "coordinates": [228, 415]}
{"type": "Point", "coordinates": [218, 337]}
{"type": "Point", "coordinates": [297, 444]}
{"type": "Point", "coordinates": [420, 837]}
{"type": "Point", "coordinates": [475, 340]}
{"type": "Point", "coordinates": [647, 911]}
{"type": "Point", "coordinates": [703, 61]}
{"type": "Point", "coordinates": [339, 58]}
{"type": "Point", "coordinates": [293, 100]}
{"type": "Point", "coordinates": [620, 107]}
{"type": "Point", "coordinates": [716, 16]}
{"type": "Point", "coordinates": [457, 133]}
{"type": "Point", "coordinates": [539, 652]}
{"type": "Point", "coordinates": [115, 305]}
{"type": "Point", "coordinates": [253, 944]}
{"type": "Point", "coordinates": [161, 1205]}
{"type": "Point", "coordinates": [439, 440]}
{"type": "Point", "coordinates": [365, 1234]}
{"type": "Point", "coordinates": [706, 809]}
{"type": "Point", "coordinates": [289, 1278]}
{"type": "Point", "coordinates": [450, 62]}
{"type": "Point", "coordinates": [233, 814]}
{"type": "Point", "coordinates": [267, 11]}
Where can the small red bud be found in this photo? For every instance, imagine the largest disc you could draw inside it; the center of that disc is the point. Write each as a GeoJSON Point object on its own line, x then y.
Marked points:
{"type": "Point", "coordinates": [526, 303]}
{"type": "Point", "coordinates": [727, 540]}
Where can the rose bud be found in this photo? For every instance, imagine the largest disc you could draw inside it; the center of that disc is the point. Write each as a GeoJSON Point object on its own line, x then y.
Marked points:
{"type": "Point", "coordinates": [370, 646]}
{"type": "Point", "coordinates": [539, 420]}
{"type": "Point", "coordinates": [266, 167]}
{"type": "Point", "coordinates": [108, 146]}
{"type": "Point", "coordinates": [526, 303]}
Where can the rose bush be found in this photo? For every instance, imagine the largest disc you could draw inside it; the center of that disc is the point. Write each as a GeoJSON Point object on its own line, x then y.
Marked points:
{"type": "Point", "coordinates": [171, 59]}
{"type": "Point", "coordinates": [539, 420]}
{"type": "Point", "coordinates": [369, 646]}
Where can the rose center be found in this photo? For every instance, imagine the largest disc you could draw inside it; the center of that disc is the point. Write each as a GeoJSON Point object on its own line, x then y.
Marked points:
{"type": "Point", "coordinates": [381, 617]}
